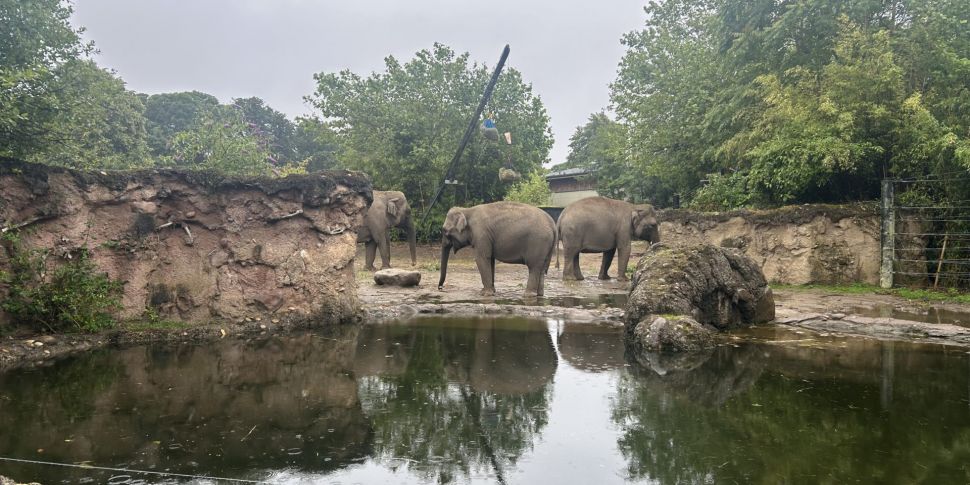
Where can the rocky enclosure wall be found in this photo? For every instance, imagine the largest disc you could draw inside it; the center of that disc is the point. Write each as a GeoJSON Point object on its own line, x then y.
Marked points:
{"type": "Point", "coordinates": [797, 245]}
{"type": "Point", "coordinates": [196, 246]}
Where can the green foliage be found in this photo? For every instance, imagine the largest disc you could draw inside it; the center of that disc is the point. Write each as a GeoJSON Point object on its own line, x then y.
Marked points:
{"type": "Point", "coordinates": [788, 103]}
{"type": "Point", "coordinates": [99, 123]}
{"type": "Point", "coordinates": [221, 140]}
{"type": "Point", "coordinates": [532, 190]}
{"type": "Point", "coordinates": [403, 125]}
{"type": "Point", "coordinates": [171, 113]}
{"type": "Point", "coordinates": [71, 295]}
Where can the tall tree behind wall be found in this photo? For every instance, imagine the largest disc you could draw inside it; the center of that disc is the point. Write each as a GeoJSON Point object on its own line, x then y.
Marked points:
{"type": "Point", "coordinates": [402, 125]}
{"type": "Point", "coordinates": [776, 102]}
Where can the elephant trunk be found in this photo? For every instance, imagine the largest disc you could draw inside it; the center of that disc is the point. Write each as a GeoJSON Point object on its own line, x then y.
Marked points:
{"type": "Point", "coordinates": [412, 239]}
{"type": "Point", "coordinates": [445, 248]}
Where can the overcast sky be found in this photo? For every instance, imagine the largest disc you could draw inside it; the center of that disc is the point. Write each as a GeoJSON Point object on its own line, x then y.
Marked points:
{"type": "Point", "coordinates": [567, 49]}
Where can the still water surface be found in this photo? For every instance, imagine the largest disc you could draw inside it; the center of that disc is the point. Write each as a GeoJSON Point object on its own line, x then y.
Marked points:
{"type": "Point", "coordinates": [453, 400]}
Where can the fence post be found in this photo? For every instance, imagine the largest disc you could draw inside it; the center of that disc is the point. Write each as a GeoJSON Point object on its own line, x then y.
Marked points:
{"type": "Point", "coordinates": [888, 235]}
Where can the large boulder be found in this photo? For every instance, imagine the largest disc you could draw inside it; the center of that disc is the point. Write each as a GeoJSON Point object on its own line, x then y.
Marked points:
{"type": "Point", "coordinates": [397, 277]}
{"type": "Point", "coordinates": [672, 333]}
{"type": "Point", "coordinates": [680, 297]}
{"type": "Point", "coordinates": [717, 287]}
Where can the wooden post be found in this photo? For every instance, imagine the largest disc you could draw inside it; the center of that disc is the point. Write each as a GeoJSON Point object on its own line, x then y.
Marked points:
{"type": "Point", "coordinates": [888, 235]}
{"type": "Point", "coordinates": [939, 264]}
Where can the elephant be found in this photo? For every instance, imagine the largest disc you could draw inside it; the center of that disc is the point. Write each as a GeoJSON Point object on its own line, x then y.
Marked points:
{"type": "Point", "coordinates": [389, 210]}
{"type": "Point", "coordinates": [510, 232]}
{"type": "Point", "coordinates": [603, 225]}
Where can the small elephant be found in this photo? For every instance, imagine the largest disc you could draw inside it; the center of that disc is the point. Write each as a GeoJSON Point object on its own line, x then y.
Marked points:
{"type": "Point", "coordinates": [389, 210]}
{"type": "Point", "coordinates": [602, 225]}
{"type": "Point", "coordinates": [510, 232]}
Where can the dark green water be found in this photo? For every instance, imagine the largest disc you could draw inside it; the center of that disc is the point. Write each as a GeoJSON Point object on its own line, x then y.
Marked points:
{"type": "Point", "coordinates": [495, 401]}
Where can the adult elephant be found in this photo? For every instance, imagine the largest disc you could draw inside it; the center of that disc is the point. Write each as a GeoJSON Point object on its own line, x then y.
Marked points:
{"type": "Point", "coordinates": [390, 209]}
{"type": "Point", "coordinates": [602, 225]}
{"type": "Point", "coordinates": [509, 232]}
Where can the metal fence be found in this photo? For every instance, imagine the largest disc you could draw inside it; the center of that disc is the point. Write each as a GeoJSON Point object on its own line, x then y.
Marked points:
{"type": "Point", "coordinates": [926, 231]}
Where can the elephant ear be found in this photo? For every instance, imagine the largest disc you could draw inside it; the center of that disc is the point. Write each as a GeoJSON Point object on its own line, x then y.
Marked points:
{"type": "Point", "coordinates": [392, 208]}
{"type": "Point", "coordinates": [460, 222]}
{"type": "Point", "coordinates": [637, 214]}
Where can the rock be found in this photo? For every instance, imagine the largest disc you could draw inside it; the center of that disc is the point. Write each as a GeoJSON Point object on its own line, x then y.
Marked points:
{"type": "Point", "coordinates": [672, 334]}
{"type": "Point", "coordinates": [716, 287]}
{"type": "Point", "coordinates": [397, 277]}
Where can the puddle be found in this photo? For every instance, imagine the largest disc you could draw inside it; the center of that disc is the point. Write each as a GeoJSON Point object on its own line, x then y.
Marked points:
{"type": "Point", "coordinates": [929, 315]}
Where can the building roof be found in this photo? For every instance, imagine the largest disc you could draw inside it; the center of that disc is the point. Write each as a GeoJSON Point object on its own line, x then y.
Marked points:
{"type": "Point", "coordinates": [569, 172]}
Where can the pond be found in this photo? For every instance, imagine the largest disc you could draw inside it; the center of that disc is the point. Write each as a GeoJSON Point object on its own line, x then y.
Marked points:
{"type": "Point", "coordinates": [458, 400]}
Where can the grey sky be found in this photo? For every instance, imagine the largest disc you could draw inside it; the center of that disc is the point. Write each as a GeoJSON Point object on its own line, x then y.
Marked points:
{"type": "Point", "coordinates": [568, 49]}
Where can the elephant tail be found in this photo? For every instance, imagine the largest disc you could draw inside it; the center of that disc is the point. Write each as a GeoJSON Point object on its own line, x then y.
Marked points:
{"type": "Point", "coordinates": [556, 244]}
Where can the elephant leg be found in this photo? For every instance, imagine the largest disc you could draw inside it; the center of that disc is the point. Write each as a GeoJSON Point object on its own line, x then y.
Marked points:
{"type": "Point", "coordinates": [623, 261]}
{"type": "Point", "coordinates": [577, 273]}
{"type": "Point", "coordinates": [384, 244]}
{"type": "Point", "coordinates": [534, 285]}
{"type": "Point", "coordinates": [570, 269]}
{"type": "Point", "coordinates": [371, 252]}
{"type": "Point", "coordinates": [493, 273]}
{"type": "Point", "coordinates": [605, 265]}
{"type": "Point", "coordinates": [485, 266]}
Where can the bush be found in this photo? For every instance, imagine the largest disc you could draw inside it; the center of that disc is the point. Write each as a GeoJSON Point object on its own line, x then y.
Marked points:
{"type": "Point", "coordinates": [532, 190]}
{"type": "Point", "coordinates": [71, 295]}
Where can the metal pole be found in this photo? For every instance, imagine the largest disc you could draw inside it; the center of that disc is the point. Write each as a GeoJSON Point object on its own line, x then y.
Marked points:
{"type": "Point", "coordinates": [888, 235]}
{"type": "Point", "coordinates": [468, 132]}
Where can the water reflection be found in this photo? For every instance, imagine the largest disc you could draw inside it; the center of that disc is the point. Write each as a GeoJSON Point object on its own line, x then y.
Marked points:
{"type": "Point", "coordinates": [454, 399]}
{"type": "Point", "coordinates": [877, 411]}
{"type": "Point", "coordinates": [227, 408]}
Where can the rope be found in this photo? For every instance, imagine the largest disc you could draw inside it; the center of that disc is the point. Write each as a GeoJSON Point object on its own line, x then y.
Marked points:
{"type": "Point", "coordinates": [128, 470]}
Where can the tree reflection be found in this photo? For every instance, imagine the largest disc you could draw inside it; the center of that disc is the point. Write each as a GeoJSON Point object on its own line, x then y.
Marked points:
{"type": "Point", "coordinates": [455, 398]}
{"type": "Point", "coordinates": [793, 414]}
{"type": "Point", "coordinates": [226, 408]}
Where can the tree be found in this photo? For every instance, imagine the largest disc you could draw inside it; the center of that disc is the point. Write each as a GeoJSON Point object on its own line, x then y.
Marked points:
{"type": "Point", "coordinates": [402, 125]}
{"type": "Point", "coordinates": [171, 113]}
{"type": "Point", "coordinates": [36, 39]}
{"type": "Point", "coordinates": [98, 123]}
{"type": "Point", "coordinates": [775, 102]}
{"type": "Point", "coordinates": [271, 125]}
{"type": "Point", "coordinates": [221, 140]}
{"type": "Point", "coordinates": [316, 143]}
{"type": "Point", "coordinates": [532, 190]}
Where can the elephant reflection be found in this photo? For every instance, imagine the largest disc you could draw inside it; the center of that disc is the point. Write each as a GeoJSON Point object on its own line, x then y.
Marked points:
{"type": "Point", "coordinates": [471, 394]}
{"type": "Point", "coordinates": [592, 348]}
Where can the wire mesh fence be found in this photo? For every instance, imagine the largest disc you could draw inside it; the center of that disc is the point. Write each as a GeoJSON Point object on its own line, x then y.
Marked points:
{"type": "Point", "coordinates": [929, 232]}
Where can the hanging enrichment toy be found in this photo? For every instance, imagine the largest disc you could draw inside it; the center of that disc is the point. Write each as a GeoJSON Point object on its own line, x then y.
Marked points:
{"type": "Point", "coordinates": [488, 128]}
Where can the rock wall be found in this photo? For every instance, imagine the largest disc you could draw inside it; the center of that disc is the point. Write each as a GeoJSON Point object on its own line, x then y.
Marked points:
{"type": "Point", "coordinates": [796, 245]}
{"type": "Point", "coordinates": [197, 246]}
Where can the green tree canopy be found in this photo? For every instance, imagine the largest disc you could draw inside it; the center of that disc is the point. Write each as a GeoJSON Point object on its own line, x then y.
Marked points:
{"type": "Point", "coordinates": [772, 102]}
{"type": "Point", "coordinates": [170, 113]}
{"type": "Point", "coordinates": [403, 125]}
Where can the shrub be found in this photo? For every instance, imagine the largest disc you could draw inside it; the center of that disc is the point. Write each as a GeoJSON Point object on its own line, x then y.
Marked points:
{"type": "Point", "coordinates": [71, 295]}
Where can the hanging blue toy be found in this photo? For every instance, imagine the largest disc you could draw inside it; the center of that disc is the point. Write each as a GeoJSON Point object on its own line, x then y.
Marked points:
{"type": "Point", "coordinates": [488, 128]}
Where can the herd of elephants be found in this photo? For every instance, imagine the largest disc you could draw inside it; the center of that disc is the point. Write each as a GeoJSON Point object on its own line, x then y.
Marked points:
{"type": "Point", "coordinates": [512, 232]}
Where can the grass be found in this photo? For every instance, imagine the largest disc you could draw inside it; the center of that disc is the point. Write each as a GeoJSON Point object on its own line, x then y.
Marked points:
{"type": "Point", "coordinates": [949, 295]}
{"type": "Point", "coordinates": [141, 326]}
